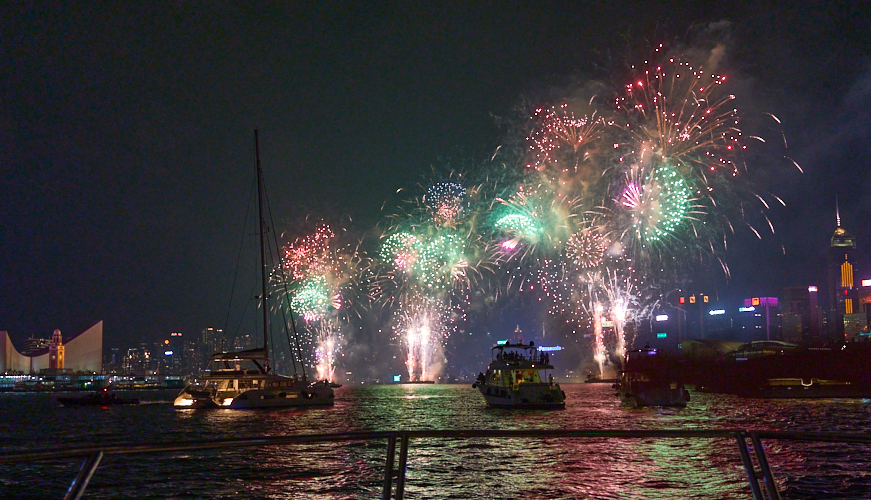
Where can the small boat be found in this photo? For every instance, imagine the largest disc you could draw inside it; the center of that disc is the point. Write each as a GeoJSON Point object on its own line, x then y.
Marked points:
{"type": "Point", "coordinates": [595, 379]}
{"type": "Point", "coordinates": [513, 379]}
{"type": "Point", "coordinates": [103, 397]}
{"type": "Point", "coordinates": [650, 379]}
{"type": "Point", "coordinates": [246, 379]}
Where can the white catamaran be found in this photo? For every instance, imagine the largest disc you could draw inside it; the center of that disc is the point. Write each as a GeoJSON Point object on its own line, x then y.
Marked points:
{"type": "Point", "coordinates": [245, 379]}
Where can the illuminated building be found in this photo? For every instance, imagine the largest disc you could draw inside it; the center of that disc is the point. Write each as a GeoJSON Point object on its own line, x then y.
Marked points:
{"type": "Point", "coordinates": [32, 345]}
{"type": "Point", "coordinates": [172, 351]}
{"type": "Point", "coordinates": [801, 315]}
{"type": "Point", "coordinates": [56, 352]}
{"type": "Point", "coordinates": [694, 318]}
{"type": "Point", "coordinates": [759, 319]}
{"type": "Point", "coordinates": [843, 292]}
{"type": "Point", "coordinates": [82, 352]}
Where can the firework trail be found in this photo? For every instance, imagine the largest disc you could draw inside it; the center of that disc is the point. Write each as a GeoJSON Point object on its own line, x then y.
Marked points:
{"type": "Point", "coordinates": [329, 341]}
{"type": "Point", "coordinates": [320, 276]}
{"type": "Point", "coordinates": [422, 326]}
{"type": "Point", "coordinates": [428, 261]}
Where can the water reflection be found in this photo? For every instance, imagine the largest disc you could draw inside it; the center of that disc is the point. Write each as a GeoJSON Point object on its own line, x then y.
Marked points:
{"type": "Point", "coordinates": [473, 468]}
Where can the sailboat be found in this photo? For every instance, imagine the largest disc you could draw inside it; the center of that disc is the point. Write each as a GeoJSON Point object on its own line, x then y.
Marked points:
{"type": "Point", "coordinates": [245, 379]}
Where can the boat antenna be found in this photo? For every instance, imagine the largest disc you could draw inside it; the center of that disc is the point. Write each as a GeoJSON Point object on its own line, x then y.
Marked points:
{"type": "Point", "coordinates": [263, 295]}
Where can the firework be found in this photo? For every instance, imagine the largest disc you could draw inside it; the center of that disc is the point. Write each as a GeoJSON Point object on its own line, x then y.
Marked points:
{"type": "Point", "coordinates": [444, 201]}
{"type": "Point", "coordinates": [422, 328]}
{"type": "Point", "coordinates": [672, 112]}
{"type": "Point", "coordinates": [329, 342]}
{"type": "Point", "coordinates": [586, 248]}
{"type": "Point", "coordinates": [312, 298]}
{"type": "Point", "coordinates": [309, 254]}
{"type": "Point", "coordinates": [657, 203]}
{"type": "Point", "coordinates": [560, 138]}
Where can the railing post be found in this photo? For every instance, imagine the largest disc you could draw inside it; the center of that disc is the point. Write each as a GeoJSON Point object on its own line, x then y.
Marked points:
{"type": "Point", "coordinates": [387, 492]}
{"type": "Point", "coordinates": [77, 488]}
{"type": "Point", "coordinates": [403, 460]}
{"type": "Point", "coordinates": [748, 466]}
{"type": "Point", "coordinates": [763, 466]}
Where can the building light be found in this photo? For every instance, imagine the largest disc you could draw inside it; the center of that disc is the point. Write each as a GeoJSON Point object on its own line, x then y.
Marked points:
{"type": "Point", "coordinates": [814, 289]}
{"type": "Point", "coordinates": [755, 301]}
{"type": "Point", "coordinates": [550, 348]}
{"type": "Point", "coordinates": [167, 353]}
{"type": "Point", "coordinates": [866, 282]}
{"type": "Point", "coordinates": [661, 335]}
{"type": "Point", "coordinates": [746, 309]}
{"type": "Point", "coordinates": [716, 312]}
{"type": "Point", "coordinates": [397, 378]}
{"type": "Point", "coordinates": [501, 342]}
{"type": "Point", "coordinates": [662, 317]}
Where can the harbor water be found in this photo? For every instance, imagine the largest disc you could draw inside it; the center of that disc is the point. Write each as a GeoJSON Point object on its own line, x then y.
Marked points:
{"type": "Point", "coordinates": [437, 469]}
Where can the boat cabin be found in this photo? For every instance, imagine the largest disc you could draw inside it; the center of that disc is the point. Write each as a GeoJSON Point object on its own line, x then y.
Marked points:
{"type": "Point", "coordinates": [515, 364]}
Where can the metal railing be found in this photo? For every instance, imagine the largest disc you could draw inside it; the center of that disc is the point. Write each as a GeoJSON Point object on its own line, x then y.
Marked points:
{"type": "Point", "coordinates": [750, 448]}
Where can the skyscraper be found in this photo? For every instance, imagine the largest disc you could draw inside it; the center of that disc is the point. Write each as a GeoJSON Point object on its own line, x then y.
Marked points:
{"type": "Point", "coordinates": [843, 293]}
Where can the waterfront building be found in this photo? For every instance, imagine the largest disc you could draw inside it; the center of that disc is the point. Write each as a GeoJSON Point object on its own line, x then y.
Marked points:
{"type": "Point", "coordinates": [694, 318]}
{"type": "Point", "coordinates": [32, 345]}
{"type": "Point", "coordinates": [82, 352]}
{"type": "Point", "coordinates": [759, 319]}
{"type": "Point", "coordinates": [801, 315]}
{"type": "Point", "coordinates": [843, 292]}
{"type": "Point", "coordinates": [211, 341]}
{"type": "Point", "coordinates": [56, 352]}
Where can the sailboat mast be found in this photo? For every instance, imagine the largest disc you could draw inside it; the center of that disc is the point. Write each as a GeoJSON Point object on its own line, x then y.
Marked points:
{"type": "Point", "coordinates": [263, 304]}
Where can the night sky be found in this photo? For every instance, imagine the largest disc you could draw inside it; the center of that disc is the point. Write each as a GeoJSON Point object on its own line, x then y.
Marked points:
{"type": "Point", "coordinates": [127, 131]}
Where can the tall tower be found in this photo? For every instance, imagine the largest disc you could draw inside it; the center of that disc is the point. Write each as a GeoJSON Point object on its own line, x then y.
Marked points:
{"type": "Point", "coordinates": [843, 293]}
{"type": "Point", "coordinates": [56, 351]}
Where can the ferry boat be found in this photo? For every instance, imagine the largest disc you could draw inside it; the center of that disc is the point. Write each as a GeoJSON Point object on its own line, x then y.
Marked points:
{"type": "Point", "coordinates": [514, 379]}
{"type": "Point", "coordinates": [650, 379]}
{"type": "Point", "coordinates": [245, 379]}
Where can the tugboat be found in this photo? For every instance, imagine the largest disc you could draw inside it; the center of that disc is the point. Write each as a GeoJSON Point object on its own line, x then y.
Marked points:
{"type": "Point", "coordinates": [650, 379]}
{"type": "Point", "coordinates": [103, 397]}
{"type": "Point", "coordinates": [513, 379]}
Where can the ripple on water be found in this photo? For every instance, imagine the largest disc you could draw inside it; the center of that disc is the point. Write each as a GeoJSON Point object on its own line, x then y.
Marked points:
{"type": "Point", "coordinates": [474, 468]}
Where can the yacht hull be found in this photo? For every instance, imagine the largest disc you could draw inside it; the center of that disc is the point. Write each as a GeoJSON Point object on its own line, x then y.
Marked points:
{"type": "Point", "coordinates": [318, 394]}
{"type": "Point", "coordinates": [526, 396]}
